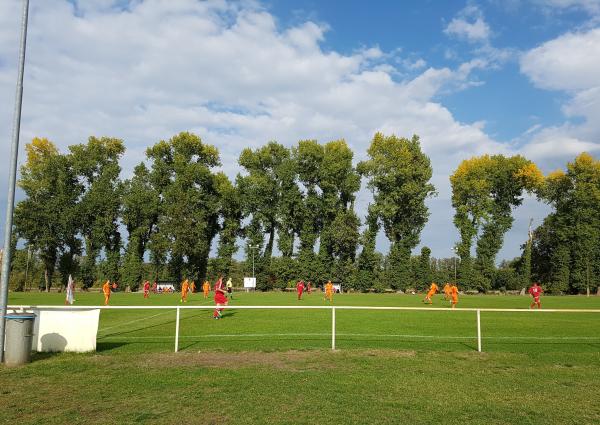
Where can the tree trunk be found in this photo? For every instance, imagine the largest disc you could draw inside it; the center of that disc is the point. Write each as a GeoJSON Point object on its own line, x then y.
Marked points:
{"type": "Point", "coordinates": [269, 247]}
{"type": "Point", "coordinates": [46, 279]}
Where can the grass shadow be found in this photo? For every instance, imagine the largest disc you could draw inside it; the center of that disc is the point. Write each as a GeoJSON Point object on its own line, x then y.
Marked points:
{"type": "Point", "coordinates": [108, 346]}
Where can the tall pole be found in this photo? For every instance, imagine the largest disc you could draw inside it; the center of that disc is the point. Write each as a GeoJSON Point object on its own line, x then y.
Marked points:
{"type": "Point", "coordinates": [455, 269]}
{"type": "Point", "coordinates": [455, 254]}
{"type": "Point", "coordinates": [12, 176]}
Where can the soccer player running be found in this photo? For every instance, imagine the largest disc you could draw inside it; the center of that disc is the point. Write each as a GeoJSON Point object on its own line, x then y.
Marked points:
{"type": "Point", "coordinates": [192, 287]}
{"type": "Point", "coordinates": [329, 291]}
{"type": "Point", "coordinates": [185, 287]}
{"type": "Point", "coordinates": [432, 290]}
{"type": "Point", "coordinates": [106, 291]}
{"type": "Point", "coordinates": [447, 291]}
{"type": "Point", "coordinates": [220, 298]}
{"type": "Point", "coordinates": [229, 286]}
{"type": "Point", "coordinates": [454, 295]}
{"type": "Point", "coordinates": [535, 291]}
{"type": "Point", "coordinates": [206, 288]}
{"type": "Point", "coordinates": [146, 289]}
{"type": "Point", "coordinates": [300, 288]}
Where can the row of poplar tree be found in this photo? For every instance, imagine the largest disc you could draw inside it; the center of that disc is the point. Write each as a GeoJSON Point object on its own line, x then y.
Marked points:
{"type": "Point", "coordinates": [297, 203]}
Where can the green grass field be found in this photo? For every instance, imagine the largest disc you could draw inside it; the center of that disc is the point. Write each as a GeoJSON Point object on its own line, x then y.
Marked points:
{"type": "Point", "coordinates": [276, 366]}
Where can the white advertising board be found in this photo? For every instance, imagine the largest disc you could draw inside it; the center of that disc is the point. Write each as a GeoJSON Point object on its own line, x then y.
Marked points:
{"type": "Point", "coordinates": [65, 330]}
{"type": "Point", "coordinates": [249, 282]}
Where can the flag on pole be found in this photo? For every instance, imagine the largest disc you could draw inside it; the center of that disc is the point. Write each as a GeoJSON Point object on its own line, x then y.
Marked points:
{"type": "Point", "coordinates": [70, 287]}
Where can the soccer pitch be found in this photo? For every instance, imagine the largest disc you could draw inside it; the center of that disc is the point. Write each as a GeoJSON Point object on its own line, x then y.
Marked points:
{"type": "Point", "coordinates": [276, 366]}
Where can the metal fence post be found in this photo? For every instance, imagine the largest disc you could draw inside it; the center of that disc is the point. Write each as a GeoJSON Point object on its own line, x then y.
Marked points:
{"type": "Point", "coordinates": [333, 328]}
{"type": "Point", "coordinates": [479, 330]}
{"type": "Point", "coordinates": [177, 331]}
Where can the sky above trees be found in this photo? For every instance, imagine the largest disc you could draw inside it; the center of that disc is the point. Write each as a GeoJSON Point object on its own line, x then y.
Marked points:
{"type": "Point", "coordinates": [509, 77]}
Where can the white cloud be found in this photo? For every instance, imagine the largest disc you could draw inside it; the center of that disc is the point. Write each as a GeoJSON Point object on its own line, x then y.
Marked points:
{"type": "Point", "coordinates": [470, 25]}
{"type": "Point", "coordinates": [228, 72]}
{"type": "Point", "coordinates": [569, 63]}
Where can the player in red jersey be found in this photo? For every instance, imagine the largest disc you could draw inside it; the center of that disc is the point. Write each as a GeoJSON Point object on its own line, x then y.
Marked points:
{"type": "Point", "coordinates": [220, 298]}
{"type": "Point", "coordinates": [535, 291]}
{"type": "Point", "coordinates": [146, 289]}
{"type": "Point", "coordinates": [300, 289]}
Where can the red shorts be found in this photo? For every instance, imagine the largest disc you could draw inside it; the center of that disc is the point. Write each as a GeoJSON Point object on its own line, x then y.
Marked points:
{"type": "Point", "coordinates": [220, 298]}
{"type": "Point", "coordinates": [536, 299]}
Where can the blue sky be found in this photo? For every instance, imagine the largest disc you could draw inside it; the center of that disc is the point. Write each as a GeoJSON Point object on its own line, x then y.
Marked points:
{"type": "Point", "coordinates": [470, 77]}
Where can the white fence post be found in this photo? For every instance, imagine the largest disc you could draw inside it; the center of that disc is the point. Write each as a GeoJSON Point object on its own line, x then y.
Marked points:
{"type": "Point", "coordinates": [177, 331]}
{"type": "Point", "coordinates": [333, 328]}
{"type": "Point", "coordinates": [479, 330]}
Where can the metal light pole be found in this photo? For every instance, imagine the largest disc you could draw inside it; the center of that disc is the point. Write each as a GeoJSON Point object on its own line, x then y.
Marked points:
{"type": "Point", "coordinates": [455, 254]}
{"type": "Point", "coordinates": [12, 176]}
{"type": "Point", "coordinates": [253, 247]}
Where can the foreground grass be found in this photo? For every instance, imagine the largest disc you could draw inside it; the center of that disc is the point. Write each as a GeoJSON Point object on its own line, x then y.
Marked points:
{"type": "Point", "coordinates": [304, 387]}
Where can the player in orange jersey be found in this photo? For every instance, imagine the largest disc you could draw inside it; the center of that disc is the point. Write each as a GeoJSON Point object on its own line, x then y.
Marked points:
{"type": "Point", "coordinates": [329, 291]}
{"type": "Point", "coordinates": [432, 290]}
{"type": "Point", "coordinates": [106, 291]}
{"type": "Point", "coordinates": [185, 287]}
{"type": "Point", "coordinates": [447, 291]}
{"type": "Point", "coordinates": [193, 287]}
{"type": "Point", "coordinates": [454, 295]}
{"type": "Point", "coordinates": [206, 288]}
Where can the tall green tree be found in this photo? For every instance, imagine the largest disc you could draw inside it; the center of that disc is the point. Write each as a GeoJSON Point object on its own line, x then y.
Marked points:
{"type": "Point", "coordinates": [424, 274]}
{"type": "Point", "coordinates": [484, 191]}
{"type": "Point", "coordinates": [399, 174]}
{"type": "Point", "coordinates": [308, 156]}
{"type": "Point", "coordinates": [369, 261]}
{"type": "Point", "coordinates": [96, 165]}
{"type": "Point", "coordinates": [339, 233]}
{"type": "Point", "coordinates": [264, 186]}
{"type": "Point", "coordinates": [230, 229]}
{"type": "Point", "coordinates": [182, 175]}
{"type": "Point", "coordinates": [46, 217]}
{"type": "Point", "coordinates": [567, 242]}
{"type": "Point", "coordinates": [139, 215]}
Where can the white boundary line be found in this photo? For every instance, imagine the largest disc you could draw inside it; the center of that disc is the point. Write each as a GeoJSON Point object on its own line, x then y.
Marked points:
{"type": "Point", "coordinates": [131, 321]}
{"type": "Point", "coordinates": [255, 335]}
{"type": "Point", "coordinates": [139, 320]}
